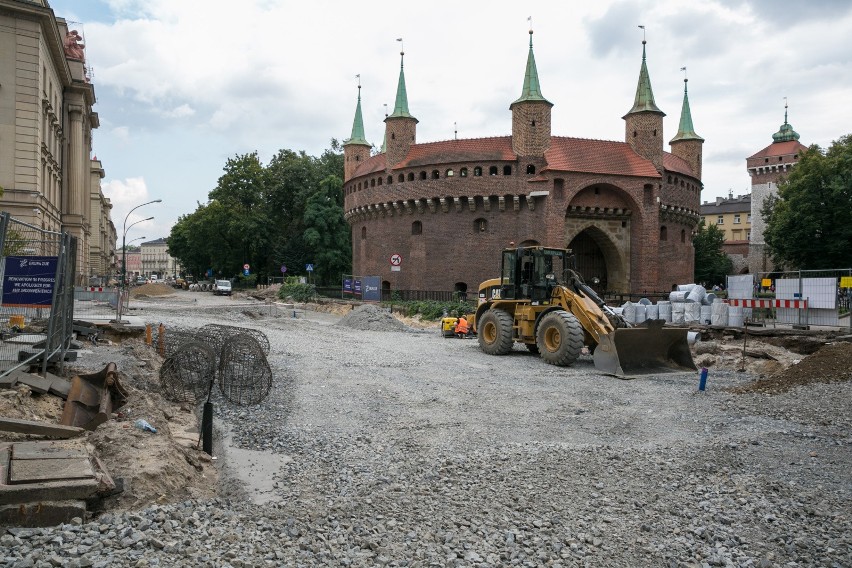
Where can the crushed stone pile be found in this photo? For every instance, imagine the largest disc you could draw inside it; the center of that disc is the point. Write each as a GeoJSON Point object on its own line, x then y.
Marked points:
{"type": "Point", "coordinates": [831, 364]}
{"type": "Point", "coordinates": [151, 290]}
{"type": "Point", "coordinates": [372, 318]}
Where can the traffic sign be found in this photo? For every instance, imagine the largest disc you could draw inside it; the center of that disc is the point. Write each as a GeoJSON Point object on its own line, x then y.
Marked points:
{"type": "Point", "coordinates": [309, 267]}
{"type": "Point", "coordinates": [283, 269]}
{"type": "Point", "coordinates": [245, 272]}
{"type": "Point", "coordinates": [396, 259]}
{"type": "Point", "coordinates": [246, 266]}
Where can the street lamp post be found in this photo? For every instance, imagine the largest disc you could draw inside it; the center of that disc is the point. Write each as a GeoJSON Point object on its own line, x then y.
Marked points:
{"type": "Point", "coordinates": [124, 237]}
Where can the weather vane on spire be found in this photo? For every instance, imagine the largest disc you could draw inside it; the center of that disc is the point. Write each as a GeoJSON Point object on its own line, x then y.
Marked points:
{"type": "Point", "coordinates": [529, 19]}
{"type": "Point", "coordinates": [358, 76]}
{"type": "Point", "coordinates": [643, 33]}
{"type": "Point", "coordinates": [401, 46]}
{"type": "Point", "coordinates": [386, 109]}
{"type": "Point", "coordinates": [684, 74]}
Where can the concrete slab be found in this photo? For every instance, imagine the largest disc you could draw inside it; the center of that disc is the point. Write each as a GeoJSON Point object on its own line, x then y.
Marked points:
{"type": "Point", "coordinates": [41, 514]}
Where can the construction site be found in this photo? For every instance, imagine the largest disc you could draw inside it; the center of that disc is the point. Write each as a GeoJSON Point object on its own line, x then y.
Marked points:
{"type": "Point", "coordinates": [346, 434]}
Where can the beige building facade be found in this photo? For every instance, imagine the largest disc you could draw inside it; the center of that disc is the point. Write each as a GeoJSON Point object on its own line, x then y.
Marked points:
{"type": "Point", "coordinates": [156, 260]}
{"type": "Point", "coordinates": [47, 173]}
{"type": "Point", "coordinates": [732, 216]}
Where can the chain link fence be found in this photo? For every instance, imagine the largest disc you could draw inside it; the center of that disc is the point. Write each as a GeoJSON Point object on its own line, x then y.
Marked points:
{"type": "Point", "coordinates": [37, 270]}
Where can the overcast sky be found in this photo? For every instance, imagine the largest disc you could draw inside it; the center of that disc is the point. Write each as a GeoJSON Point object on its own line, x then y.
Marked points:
{"type": "Point", "coordinates": [183, 85]}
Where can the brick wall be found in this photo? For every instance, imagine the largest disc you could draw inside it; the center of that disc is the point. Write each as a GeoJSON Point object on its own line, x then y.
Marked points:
{"type": "Point", "coordinates": [644, 132]}
{"type": "Point", "coordinates": [530, 128]}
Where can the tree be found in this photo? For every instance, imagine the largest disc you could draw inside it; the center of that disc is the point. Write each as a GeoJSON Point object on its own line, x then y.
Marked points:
{"type": "Point", "coordinates": [809, 225]}
{"type": "Point", "coordinates": [327, 233]}
{"type": "Point", "coordinates": [711, 263]}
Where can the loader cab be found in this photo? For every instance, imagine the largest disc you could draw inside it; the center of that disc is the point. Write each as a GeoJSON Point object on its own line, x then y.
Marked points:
{"type": "Point", "coordinates": [532, 273]}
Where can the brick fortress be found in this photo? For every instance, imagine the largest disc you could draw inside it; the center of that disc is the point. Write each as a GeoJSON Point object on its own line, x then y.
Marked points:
{"type": "Point", "coordinates": [627, 209]}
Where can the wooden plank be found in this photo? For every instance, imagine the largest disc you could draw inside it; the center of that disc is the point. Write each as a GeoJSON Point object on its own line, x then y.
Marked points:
{"type": "Point", "coordinates": [38, 384]}
{"type": "Point", "coordinates": [48, 491]}
{"type": "Point", "coordinates": [39, 428]}
{"type": "Point", "coordinates": [33, 471]}
{"type": "Point", "coordinates": [46, 450]}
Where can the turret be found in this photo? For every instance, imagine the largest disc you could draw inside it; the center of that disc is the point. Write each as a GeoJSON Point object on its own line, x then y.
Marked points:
{"type": "Point", "coordinates": [644, 122]}
{"type": "Point", "coordinates": [356, 149]}
{"type": "Point", "coordinates": [531, 114]}
{"type": "Point", "coordinates": [400, 126]}
{"type": "Point", "coordinates": [687, 144]}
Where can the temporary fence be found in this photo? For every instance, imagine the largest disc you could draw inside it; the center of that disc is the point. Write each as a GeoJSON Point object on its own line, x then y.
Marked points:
{"type": "Point", "coordinates": [801, 298]}
{"type": "Point", "coordinates": [37, 270]}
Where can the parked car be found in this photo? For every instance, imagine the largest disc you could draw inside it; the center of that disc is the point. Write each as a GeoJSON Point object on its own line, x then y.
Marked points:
{"type": "Point", "coordinates": [141, 280]}
{"type": "Point", "coordinates": [222, 288]}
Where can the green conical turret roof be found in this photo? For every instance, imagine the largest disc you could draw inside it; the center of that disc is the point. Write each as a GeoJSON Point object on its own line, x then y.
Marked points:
{"type": "Point", "coordinates": [400, 109]}
{"type": "Point", "coordinates": [685, 130]}
{"type": "Point", "coordinates": [357, 126]}
{"type": "Point", "coordinates": [644, 95]}
{"type": "Point", "coordinates": [532, 88]}
{"type": "Point", "coordinates": [786, 132]}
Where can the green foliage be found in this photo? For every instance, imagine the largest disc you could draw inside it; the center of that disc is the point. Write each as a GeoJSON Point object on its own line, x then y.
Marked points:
{"type": "Point", "coordinates": [288, 212]}
{"type": "Point", "coordinates": [711, 263]}
{"type": "Point", "coordinates": [14, 244]}
{"type": "Point", "coordinates": [809, 225]}
{"type": "Point", "coordinates": [431, 310]}
{"type": "Point", "coordinates": [297, 291]}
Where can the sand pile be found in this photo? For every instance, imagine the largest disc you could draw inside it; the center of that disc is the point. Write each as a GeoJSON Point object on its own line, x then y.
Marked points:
{"type": "Point", "coordinates": [831, 364]}
{"type": "Point", "coordinates": [151, 290]}
{"type": "Point", "coordinates": [372, 318]}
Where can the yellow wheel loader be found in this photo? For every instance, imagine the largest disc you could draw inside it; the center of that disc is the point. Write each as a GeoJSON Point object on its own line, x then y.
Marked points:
{"type": "Point", "coordinates": [540, 301]}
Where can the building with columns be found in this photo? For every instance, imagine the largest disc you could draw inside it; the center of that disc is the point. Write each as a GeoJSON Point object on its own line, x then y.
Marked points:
{"type": "Point", "coordinates": [48, 177]}
{"type": "Point", "coordinates": [446, 209]}
{"type": "Point", "coordinates": [156, 260]}
{"type": "Point", "coordinates": [766, 169]}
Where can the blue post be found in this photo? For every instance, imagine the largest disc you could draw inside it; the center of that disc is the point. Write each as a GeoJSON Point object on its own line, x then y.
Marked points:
{"type": "Point", "coordinates": [703, 382]}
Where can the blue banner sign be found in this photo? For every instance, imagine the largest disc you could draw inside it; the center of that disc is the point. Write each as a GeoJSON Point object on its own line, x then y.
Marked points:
{"type": "Point", "coordinates": [347, 286]}
{"type": "Point", "coordinates": [356, 289]}
{"type": "Point", "coordinates": [371, 292]}
{"type": "Point", "coordinates": [28, 281]}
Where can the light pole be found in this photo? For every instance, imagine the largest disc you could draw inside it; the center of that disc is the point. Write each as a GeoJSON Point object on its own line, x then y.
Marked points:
{"type": "Point", "coordinates": [124, 244]}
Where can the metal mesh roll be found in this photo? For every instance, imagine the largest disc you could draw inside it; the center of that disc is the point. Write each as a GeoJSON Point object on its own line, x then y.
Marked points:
{"type": "Point", "coordinates": [245, 377]}
{"type": "Point", "coordinates": [185, 376]}
{"type": "Point", "coordinates": [217, 334]}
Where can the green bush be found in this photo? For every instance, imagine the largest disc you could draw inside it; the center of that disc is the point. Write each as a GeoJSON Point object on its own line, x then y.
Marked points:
{"type": "Point", "coordinates": [299, 292]}
{"type": "Point", "coordinates": [431, 310]}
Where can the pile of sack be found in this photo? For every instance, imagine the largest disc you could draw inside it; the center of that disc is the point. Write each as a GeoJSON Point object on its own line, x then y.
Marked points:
{"type": "Point", "coordinates": [690, 304]}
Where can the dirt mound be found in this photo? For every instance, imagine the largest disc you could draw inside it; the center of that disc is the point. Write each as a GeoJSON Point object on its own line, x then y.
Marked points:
{"type": "Point", "coordinates": [151, 290]}
{"type": "Point", "coordinates": [371, 318]}
{"type": "Point", "coordinates": [268, 293]}
{"type": "Point", "coordinates": [831, 364]}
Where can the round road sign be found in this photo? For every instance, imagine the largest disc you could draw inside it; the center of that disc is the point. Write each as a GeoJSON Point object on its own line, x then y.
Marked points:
{"type": "Point", "coordinates": [395, 260]}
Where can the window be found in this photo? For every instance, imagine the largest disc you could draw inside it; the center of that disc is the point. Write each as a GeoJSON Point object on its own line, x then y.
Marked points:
{"type": "Point", "coordinates": [390, 180]}
{"type": "Point", "coordinates": [748, 235]}
{"type": "Point", "coordinates": [477, 171]}
{"type": "Point", "coordinates": [463, 172]}
{"type": "Point", "coordinates": [664, 233]}
{"type": "Point", "coordinates": [380, 181]}
{"type": "Point", "coordinates": [435, 174]}
{"type": "Point", "coordinates": [480, 226]}
{"type": "Point", "coordinates": [748, 218]}
{"type": "Point", "coordinates": [363, 233]}
{"type": "Point", "coordinates": [682, 235]}
{"type": "Point", "coordinates": [507, 170]}
{"type": "Point", "coordinates": [422, 175]}
{"type": "Point", "coordinates": [530, 169]}
{"type": "Point", "coordinates": [373, 182]}
{"type": "Point", "coordinates": [401, 178]}
{"type": "Point", "coordinates": [410, 176]}
{"type": "Point", "coordinates": [449, 173]}
{"type": "Point", "coordinates": [720, 220]}
{"type": "Point", "coordinates": [736, 219]}
{"type": "Point", "coordinates": [416, 228]}
{"type": "Point", "coordinates": [492, 171]}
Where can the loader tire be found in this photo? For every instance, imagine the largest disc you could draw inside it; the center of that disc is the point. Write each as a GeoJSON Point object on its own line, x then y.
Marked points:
{"type": "Point", "coordinates": [559, 338]}
{"type": "Point", "coordinates": [494, 331]}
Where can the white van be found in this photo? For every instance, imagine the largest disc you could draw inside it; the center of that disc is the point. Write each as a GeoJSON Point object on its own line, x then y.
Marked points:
{"type": "Point", "coordinates": [222, 288]}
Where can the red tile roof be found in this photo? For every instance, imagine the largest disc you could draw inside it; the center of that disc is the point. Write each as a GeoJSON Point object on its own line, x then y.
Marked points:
{"type": "Point", "coordinates": [467, 150]}
{"type": "Point", "coordinates": [565, 154]}
{"type": "Point", "coordinates": [674, 163]}
{"type": "Point", "coordinates": [780, 149]}
{"type": "Point", "coordinates": [596, 156]}
{"type": "Point", "coordinates": [374, 164]}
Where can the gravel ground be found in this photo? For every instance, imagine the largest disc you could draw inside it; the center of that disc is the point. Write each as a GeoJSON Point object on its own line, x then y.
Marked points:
{"type": "Point", "coordinates": [402, 448]}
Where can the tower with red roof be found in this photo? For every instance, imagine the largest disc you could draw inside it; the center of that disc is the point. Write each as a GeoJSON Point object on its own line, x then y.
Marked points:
{"type": "Point", "coordinates": [766, 169]}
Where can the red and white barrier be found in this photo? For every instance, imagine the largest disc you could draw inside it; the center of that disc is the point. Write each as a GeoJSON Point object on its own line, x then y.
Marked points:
{"type": "Point", "coordinates": [94, 289]}
{"type": "Point", "coordinates": [794, 304]}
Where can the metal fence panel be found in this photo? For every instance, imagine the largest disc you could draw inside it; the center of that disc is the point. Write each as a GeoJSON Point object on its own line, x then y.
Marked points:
{"type": "Point", "coordinates": [32, 332]}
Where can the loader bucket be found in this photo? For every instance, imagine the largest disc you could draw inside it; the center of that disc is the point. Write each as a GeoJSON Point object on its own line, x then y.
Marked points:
{"type": "Point", "coordinates": [648, 350]}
